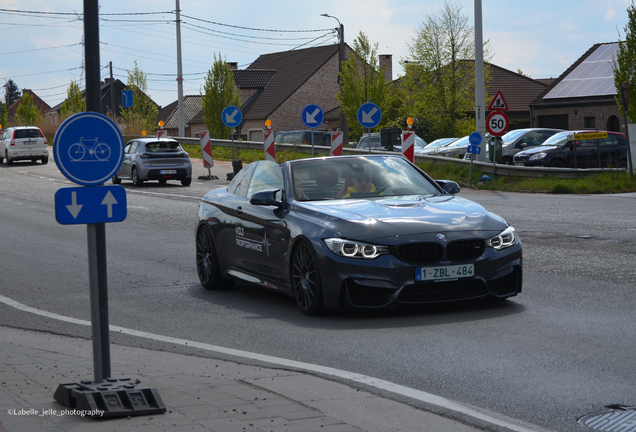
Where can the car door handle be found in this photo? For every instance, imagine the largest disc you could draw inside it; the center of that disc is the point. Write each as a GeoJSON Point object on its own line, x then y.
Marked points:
{"type": "Point", "coordinates": [239, 210]}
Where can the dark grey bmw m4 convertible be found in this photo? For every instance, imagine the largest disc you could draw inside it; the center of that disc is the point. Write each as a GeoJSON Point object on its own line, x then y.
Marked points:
{"type": "Point", "coordinates": [354, 231]}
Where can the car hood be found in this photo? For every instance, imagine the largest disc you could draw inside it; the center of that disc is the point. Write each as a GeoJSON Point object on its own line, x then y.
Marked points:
{"type": "Point", "coordinates": [534, 150]}
{"type": "Point", "coordinates": [398, 216]}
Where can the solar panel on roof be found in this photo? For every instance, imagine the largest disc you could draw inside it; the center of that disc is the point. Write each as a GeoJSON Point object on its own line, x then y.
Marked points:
{"type": "Point", "coordinates": [593, 77]}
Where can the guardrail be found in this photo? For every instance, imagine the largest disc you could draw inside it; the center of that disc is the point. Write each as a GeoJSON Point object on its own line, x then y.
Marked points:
{"type": "Point", "coordinates": [485, 167]}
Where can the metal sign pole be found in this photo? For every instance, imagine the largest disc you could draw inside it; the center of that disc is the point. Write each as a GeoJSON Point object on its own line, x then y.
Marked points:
{"type": "Point", "coordinates": [624, 101]}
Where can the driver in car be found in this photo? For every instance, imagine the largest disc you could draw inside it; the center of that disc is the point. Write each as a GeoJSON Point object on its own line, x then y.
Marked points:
{"type": "Point", "coordinates": [357, 182]}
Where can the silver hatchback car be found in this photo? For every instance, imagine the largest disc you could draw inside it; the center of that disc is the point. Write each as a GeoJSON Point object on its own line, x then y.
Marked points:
{"type": "Point", "coordinates": [24, 143]}
{"type": "Point", "coordinates": [159, 159]}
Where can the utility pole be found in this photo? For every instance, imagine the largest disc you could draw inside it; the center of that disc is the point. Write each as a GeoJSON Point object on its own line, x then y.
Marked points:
{"type": "Point", "coordinates": [344, 127]}
{"type": "Point", "coordinates": [112, 91]}
{"type": "Point", "coordinates": [179, 75]}
{"type": "Point", "coordinates": [480, 96]}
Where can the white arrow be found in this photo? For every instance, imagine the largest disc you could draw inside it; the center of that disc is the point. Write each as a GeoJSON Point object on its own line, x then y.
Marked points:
{"type": "Point", "coordinates": [230, 118]}
{"type": "Point", "coordinates": [311, 118]}
{"type": "Point", "coordinates": [108, 201]}
{"type": "Point", "coordinates": [367, 117]}
{"type": "Point", "coordinates": [74, 208]}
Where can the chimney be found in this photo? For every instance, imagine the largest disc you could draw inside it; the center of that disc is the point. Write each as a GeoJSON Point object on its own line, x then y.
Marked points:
{"type": "Point", "coordinates": [386, 67]}
{"type": "Point", "coordinates": [232, 65]}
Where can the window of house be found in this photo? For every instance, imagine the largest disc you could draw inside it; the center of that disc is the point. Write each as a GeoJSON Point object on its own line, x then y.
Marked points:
{"type": "Point", "coordinates": [589, 122]}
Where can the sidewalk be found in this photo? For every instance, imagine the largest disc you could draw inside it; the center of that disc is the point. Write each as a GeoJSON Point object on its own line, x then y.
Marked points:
{"type": "Point", "coordinates": [200, 394]}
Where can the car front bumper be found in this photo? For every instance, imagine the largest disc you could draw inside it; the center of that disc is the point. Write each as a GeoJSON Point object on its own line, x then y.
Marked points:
{"type": "Point", "coordinates": [387, 281]}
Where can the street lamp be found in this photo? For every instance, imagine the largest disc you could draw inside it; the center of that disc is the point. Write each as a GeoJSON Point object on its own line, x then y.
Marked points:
{"type": "Point", "coordinates": [341, 56]}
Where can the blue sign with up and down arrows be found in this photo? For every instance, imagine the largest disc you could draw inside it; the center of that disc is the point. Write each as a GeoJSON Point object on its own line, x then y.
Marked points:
{"type": "Point", "coordinates": [89, 205]}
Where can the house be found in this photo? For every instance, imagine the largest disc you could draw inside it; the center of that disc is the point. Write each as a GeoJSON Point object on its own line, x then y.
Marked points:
{"type": "Point", "coordinates": [111, 99]}
{"type": "Point", "coordinates": [170, 116]}
{"type": "Point", "coordinates": [583, 97]}
{"type": "Point", "coordinates": [278, 86]}
{"type": "Point", "coordinates": [42, 106]}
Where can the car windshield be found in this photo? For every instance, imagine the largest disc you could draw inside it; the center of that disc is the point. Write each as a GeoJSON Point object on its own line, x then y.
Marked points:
{"type": "Point", "coordinates": [361, 177]}
{"type": "Point", "coordinates": [163, 146]}
{"type": "Point", "coordinates": [459, 143]}
{"type": "Point", "coordinates": [556, 139]}
{"type": "Point", "coordinates": [28, 133]}
{"type": "Point", "coordinates": [513, 135]}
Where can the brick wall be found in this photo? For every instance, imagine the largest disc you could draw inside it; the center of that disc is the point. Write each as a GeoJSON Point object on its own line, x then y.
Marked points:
{"type": "Point", "coordinates": [603, 115]}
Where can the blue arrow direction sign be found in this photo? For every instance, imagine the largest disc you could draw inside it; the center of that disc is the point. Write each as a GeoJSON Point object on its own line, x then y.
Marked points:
{"type": "Point", "coordinates": [369, 115]}
{"type": "Point", "coordinates": [90, 205]}
{"type": "Point", "coordinates": [231, 116]}
{"type": "Point", "coordinates": [312, 116]}
{"type": "Point", "coordinates": [88, 148]}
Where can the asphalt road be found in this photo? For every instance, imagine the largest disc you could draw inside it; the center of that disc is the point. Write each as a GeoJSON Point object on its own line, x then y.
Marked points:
{"type": "Point", "coordinates": [562, 349]}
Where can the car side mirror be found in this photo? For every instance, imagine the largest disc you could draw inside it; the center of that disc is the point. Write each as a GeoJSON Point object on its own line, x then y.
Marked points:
{"type": "Point", "coordinates": [266, 198]}
{"type": "Point", "coordinates": [523, 145]}
{"type": "Point", "coordinates": [449, 186]}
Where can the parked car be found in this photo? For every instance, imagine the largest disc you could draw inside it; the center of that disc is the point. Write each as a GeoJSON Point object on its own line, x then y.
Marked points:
{"type": "Point", "coordinates": [403, 239]}
{"type": "Point", "coordinates": [523, 139]}
{"type": "Point", "coordinates": [321, 138]}
{"type": "Point", "coordinates": [573, 149]}
{"type": "Point", "coordinates": [159, 159]}
{"type": "Point", "coordinates": [24, 143]}
{"type": "Point", "coordinates": [363, 143]}
{"type": "Point", "coordinates": [455, 149]}
{"type": "Point", "coordinates": [435, 145]}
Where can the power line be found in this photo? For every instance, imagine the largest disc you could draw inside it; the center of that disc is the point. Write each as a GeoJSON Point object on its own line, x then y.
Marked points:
{"type": "Point", "coordinates": [255, 29]}
{"type": "Point", "coordinates": [40, 49]}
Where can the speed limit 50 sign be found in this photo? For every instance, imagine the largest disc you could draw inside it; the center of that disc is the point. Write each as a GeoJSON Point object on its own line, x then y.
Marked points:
{"type": "Point", "coordinates": [497, 123]}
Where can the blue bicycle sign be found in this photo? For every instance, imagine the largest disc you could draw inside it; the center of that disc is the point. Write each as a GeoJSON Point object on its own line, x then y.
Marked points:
{"type": "Point", "coordinates": [88, 148]}
{"type": "Point", "coordinates": [95, 150]}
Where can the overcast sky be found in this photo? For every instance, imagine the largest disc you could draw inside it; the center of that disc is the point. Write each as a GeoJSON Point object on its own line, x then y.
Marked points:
{"type": "Point", "coordinates": [43, 52]}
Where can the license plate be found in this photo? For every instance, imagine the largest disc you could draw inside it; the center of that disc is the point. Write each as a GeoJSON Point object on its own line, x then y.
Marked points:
{"type": "Point", "coordinates": [519, 164]}
{"type": "Point", "coordinates": [168, 172]}
{"type": "Point", "coordinates": [29, 142]}
{"type": "Point", "coordinates": [445, 272]}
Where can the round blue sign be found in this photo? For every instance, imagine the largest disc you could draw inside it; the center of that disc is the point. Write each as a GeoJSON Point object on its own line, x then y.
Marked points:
{"type": "Point", "coordinates": [231, 116]}
{"type": "Point", "coordinates": [369, 115]}
{"type": "Point", "coordinates": [88, 148]}
{"type": "Point", "coordinates": [312, 116]}
{"type": "Point", "coordinates": [474, 138]}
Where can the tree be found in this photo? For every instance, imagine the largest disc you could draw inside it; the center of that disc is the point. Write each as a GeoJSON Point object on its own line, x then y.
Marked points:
{"type": "Point", "coordinates": [219, 91]}
{"type": "Point", "coordinates": [27, 114]}
{"type": "Point", "coordinates": [363, 81]}
{"type": "Point", "coordinates": [144, 111]}
{"type": "Point", "coordinates": [74, 102]}
{"type": "Point", "coordinates": [624, 64]}
{"type": "Point", "coordinates": [4, 117]}
{"type": "Point", "coordinates": [439, 80]}
{"type": "Point", "coordinates": [14, 92]}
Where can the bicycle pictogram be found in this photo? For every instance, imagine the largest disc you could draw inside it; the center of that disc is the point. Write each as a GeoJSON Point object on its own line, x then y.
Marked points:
{"type": "Point", "coordinates": [96, 150]}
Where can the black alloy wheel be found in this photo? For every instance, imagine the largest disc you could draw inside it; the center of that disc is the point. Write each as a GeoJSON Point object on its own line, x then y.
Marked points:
{"type": "Point", "coordinates": [207, 262]}
{"type": "Point", "coordinates": [135, 178]}
{"type": "Point", "coordinates": [306, 280]}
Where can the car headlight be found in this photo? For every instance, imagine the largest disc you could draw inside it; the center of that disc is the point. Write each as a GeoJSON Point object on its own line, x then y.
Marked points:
{"type": "Point", "coordinates": [505, 239]}
{"type": "Point", "coordinates": [538, 156]}
{"type": "Point", "coordinates": [354, 249]}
